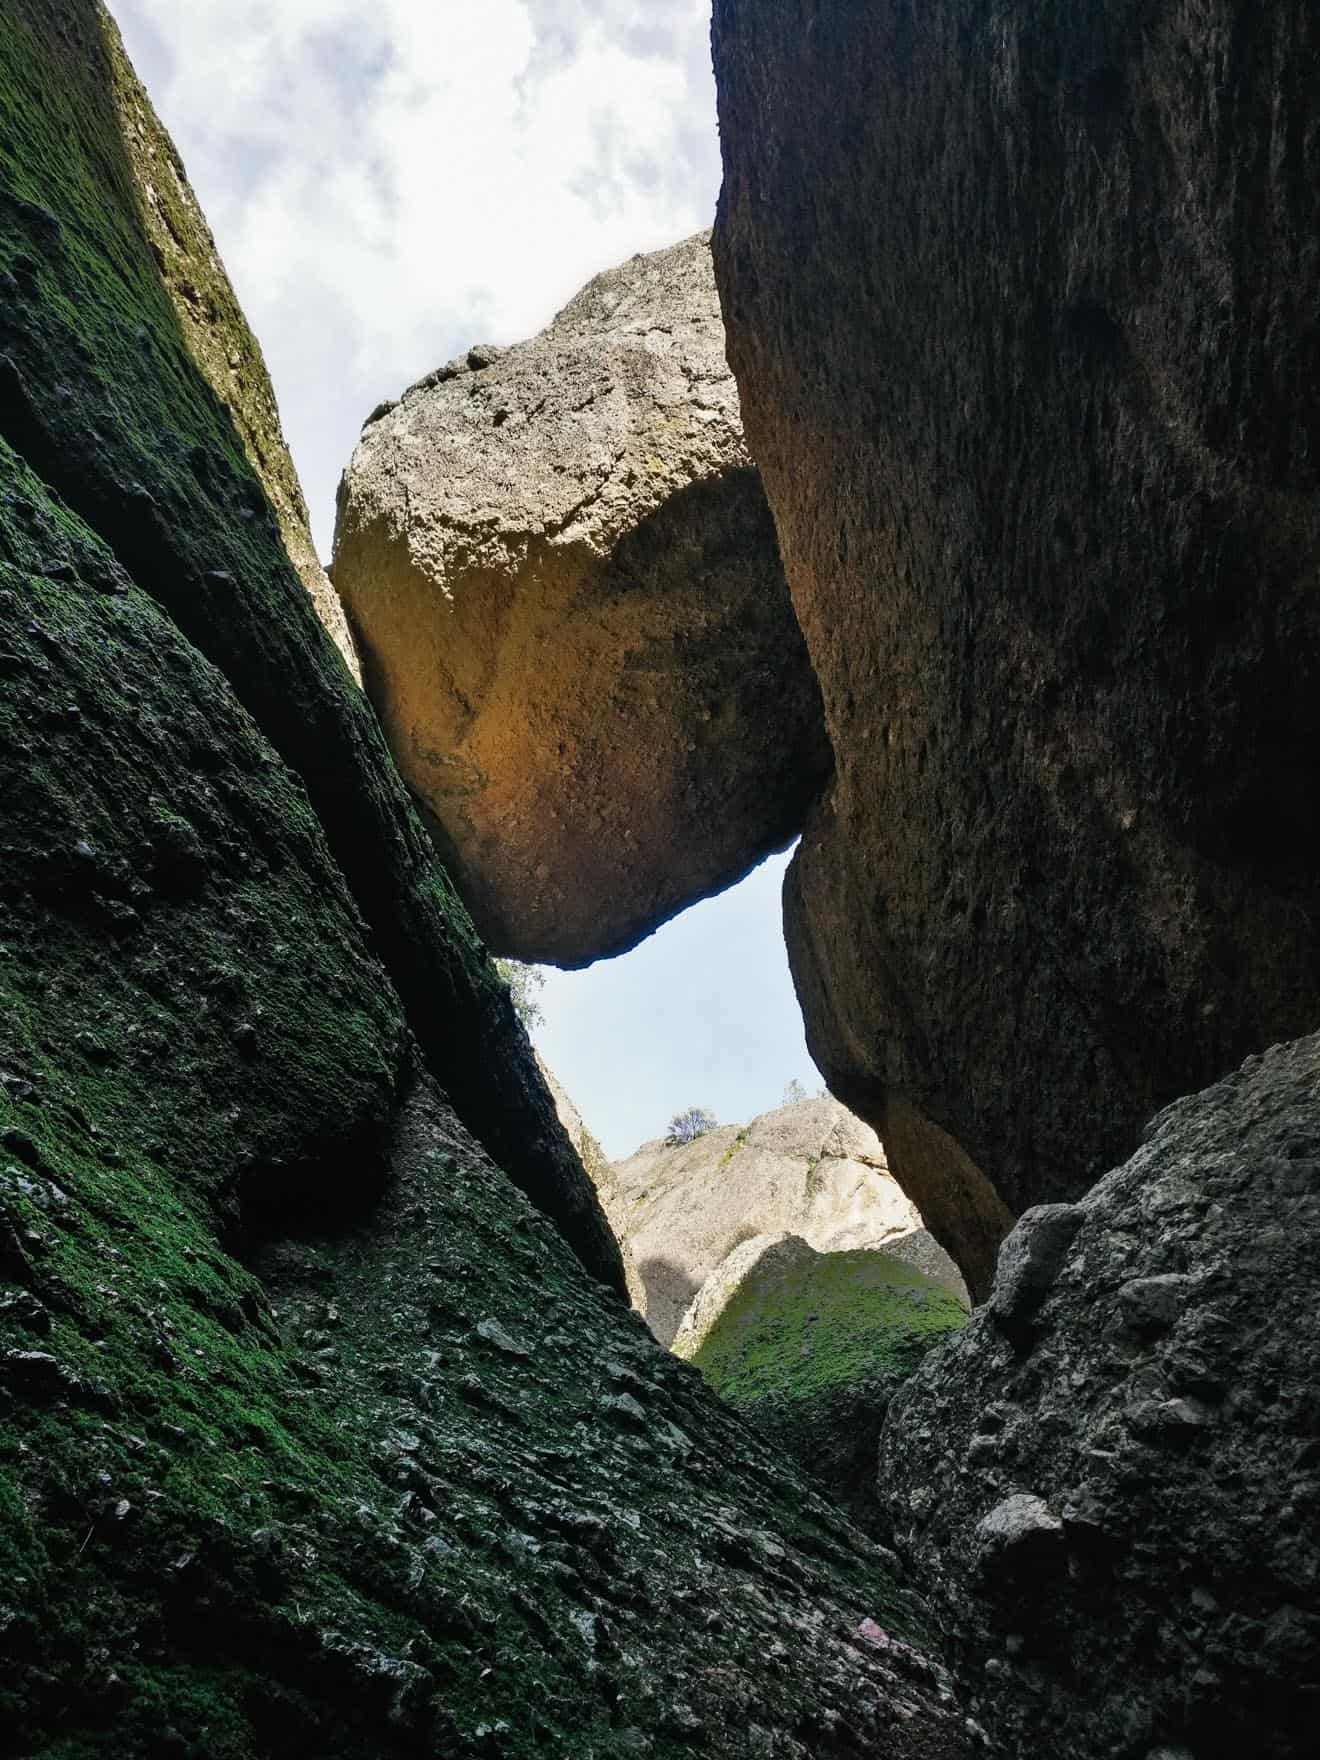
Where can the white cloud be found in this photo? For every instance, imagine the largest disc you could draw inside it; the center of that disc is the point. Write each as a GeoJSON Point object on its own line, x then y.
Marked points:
{"type": "Point", "coordinates": [391, 180]}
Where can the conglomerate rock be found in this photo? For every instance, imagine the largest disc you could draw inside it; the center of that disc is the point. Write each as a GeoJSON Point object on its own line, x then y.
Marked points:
{"type": "Point", "coordinates": [103, 397]}
{"type": "Point", "coordinates": [561, 570]}
{"type": "Point", "coordinates": [1021, 302]}
{"type": "Point", "coordinates": [810, 1170]}
{"type": "Point", "coordinates": [1110, 1480]}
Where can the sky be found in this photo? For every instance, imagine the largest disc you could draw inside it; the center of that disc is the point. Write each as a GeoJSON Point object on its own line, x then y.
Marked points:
{"type": "Point", "coordinates": [391, 181]}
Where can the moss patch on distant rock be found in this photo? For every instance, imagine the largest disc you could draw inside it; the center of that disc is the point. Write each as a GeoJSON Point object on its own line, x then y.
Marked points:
{"type": "Point", "coordinates": [812, 1346]}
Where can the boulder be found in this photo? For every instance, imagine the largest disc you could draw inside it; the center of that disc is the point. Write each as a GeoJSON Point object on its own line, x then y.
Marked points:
{"type": "Point", "coordinates": [810, 1170]}
{"type": "Point", "coordinates": [105, 394]}
{"type": "Point", "coordinates": [564, 580]}
{"type": "Point", "coordinates": [811, 1347]}
{"type": "Point", "coordinates": [1021, 305]}
{"type": "Point", "coordinates": [1113, 1492]}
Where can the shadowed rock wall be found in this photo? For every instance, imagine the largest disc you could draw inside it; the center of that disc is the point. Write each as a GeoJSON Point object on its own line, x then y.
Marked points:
{"type": "Point", "coordinates": [1108, 1481]}
{"type": "Point", "coordinates": [102, 396]}
{"type": "Point", "coordinates": [1022, 307]}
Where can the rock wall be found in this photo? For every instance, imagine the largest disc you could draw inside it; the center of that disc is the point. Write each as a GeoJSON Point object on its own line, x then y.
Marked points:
{"type": "Point", "coordinates": [810, 1170]}
{"type": "Point", "coordinates": [560, 566]}
{"type": "Point", "coordinates": [315, 1434]}
{"type": "Point", "coordinates": [101, 396]}
{"type": "Point", "coordinates": [1110, 1481]}
{"type": "Point", "coordinates": [214, 328]}
{"type": "Point", "coordinates": [1021, 304]}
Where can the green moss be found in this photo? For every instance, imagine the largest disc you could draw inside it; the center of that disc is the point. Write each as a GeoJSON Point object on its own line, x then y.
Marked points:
{"type": "Point", "coordinates": [101, 394]}
{"type": "Point", "coordinates": [811, 1347]}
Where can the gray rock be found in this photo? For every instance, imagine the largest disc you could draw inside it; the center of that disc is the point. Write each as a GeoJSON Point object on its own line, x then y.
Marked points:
{"type": "Point", "coordinates": [1030, 1260]}
{"type": "Point", "coordinates": [565, 580]}
{"type": "Point", "coordinates": [1132, 1492]}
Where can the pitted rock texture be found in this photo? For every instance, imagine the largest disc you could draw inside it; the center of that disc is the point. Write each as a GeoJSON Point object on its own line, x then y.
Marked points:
{"type": "Point", "coordinates": [564, 579]}
{"type": "Point", "coordinates": [810, 1170]}
{"type": "Point", "coordinates": [1021, 304]}
{"type": "Point", "coordinates": [105, 395]}
{"type": "Point", "coordinates": [1115, 1501]}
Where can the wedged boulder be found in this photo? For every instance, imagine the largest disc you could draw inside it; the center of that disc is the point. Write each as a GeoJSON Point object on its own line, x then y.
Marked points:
{"type": "Point", "coordinates": [810, 1170]}
{"type": "Point", "coordinates": [1110, 1480]}
{"type": "Point", "coordinates": [108, 392]}
{"type": "Point", "coordinates": [560, 567]}
{"type": "Point", "coordinates": [811, 1348]}
{"type": "Point", "coordinates": [1021, 304]}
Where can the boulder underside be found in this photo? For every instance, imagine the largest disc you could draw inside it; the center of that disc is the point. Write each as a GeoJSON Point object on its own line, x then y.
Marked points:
{"type": "Point", "coordinates": [564, 579]}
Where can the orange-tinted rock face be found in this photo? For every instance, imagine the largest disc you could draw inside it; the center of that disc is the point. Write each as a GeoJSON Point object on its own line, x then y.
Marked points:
{"type": "Point", "coordinates": [565, 579]}
{"type": "Point", "coordinates": [1022, 309]}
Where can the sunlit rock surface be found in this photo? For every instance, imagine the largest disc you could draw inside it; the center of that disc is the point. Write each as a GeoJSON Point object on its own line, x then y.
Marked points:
{"type": "Point", "coordinates": [559, 563]}
{"type": "Point", "coordinates": [809, 1169]}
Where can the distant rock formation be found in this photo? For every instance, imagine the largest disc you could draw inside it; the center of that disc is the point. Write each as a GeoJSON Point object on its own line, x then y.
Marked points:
{"type": "Point", "coordinates": [1110, 1481]}
{"type": "Point", "coordinates": [560, 567]}
{"type": "Point", "coordinates": [1022, 307]}
{"type": "Point", "coordinates": [812, 1347]}
{"type": "Point", "coordinates": [810, 1170]}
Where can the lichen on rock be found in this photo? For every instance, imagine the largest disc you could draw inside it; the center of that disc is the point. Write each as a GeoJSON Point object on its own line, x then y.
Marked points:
{"type": "Point", "coordinates": [811, 1347]}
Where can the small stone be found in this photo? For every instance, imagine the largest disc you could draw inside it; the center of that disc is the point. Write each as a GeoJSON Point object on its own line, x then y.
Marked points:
{"type": "Point", "coordinates": [1030, 1260]}
{"type": "Point", "coordinates": [1152, 1304]}
{"type": "Point", "coordinates": [494, 1334]}
{"type": "Point", "coordinates": [1021, 1533]}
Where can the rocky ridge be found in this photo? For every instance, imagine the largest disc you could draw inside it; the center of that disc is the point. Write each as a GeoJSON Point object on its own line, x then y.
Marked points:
{"type": "Point", "coordinates": [809, 1170]}
{"type": "Point", "coordinates": [1110, 1480]}
{"type": "Point", "coordinates": [559, 564]}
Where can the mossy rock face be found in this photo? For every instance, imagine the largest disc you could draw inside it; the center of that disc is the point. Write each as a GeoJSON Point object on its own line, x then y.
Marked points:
{"type": "Point", "coordinates": [411, 1483]}
{"type": "Point", "coordinates": [175, 932]}
{"type": "Point", "coordinates": [102, 394]}
{"type": "Point", "coordinates": [812, 1346]}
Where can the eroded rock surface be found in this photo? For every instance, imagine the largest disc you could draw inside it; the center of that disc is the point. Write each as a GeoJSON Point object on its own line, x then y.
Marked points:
{"type": "Point", "coordinates": [1113, 1490]}
{"type": "Point", "coordinates": [560, 566]}
{"type": "Point", "coordinates": [1021, 304]}
{"type": "Point", "coordinates": [106, 394]}
{"type": "Point", "coordinates": [809, 1170]}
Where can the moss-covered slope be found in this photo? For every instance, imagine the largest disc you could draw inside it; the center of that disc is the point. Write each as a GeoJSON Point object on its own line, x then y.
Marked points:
{"type": "Point", "coordinates": [812, 1346]}
{"type": "Point", "coordinates": [445, 1496]}
{"type": "Point", "coordinates": [101, 394]}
